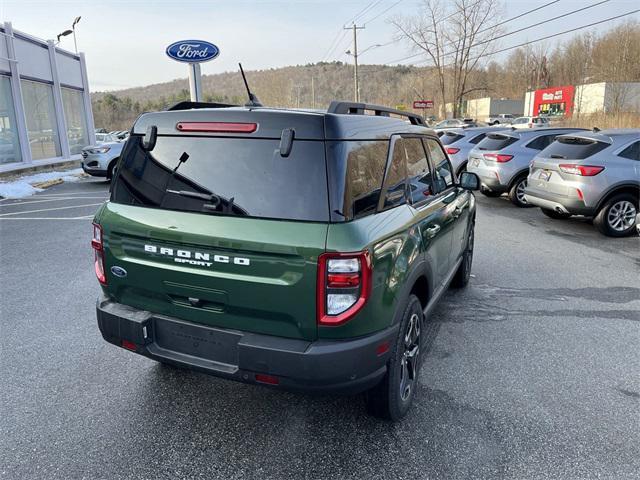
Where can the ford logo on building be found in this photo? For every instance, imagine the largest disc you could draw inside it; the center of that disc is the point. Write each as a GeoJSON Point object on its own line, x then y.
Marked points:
{"type": "Point", "coordinates": [192, 51]}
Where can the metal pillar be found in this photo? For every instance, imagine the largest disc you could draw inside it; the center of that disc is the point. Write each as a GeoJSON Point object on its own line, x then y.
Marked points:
{"type": "Point", "coordinates": [86, 95]}
{"type": "Point", "coordinates": [58, 104]}
{"type": "Point", "coordinates": [195, 82]}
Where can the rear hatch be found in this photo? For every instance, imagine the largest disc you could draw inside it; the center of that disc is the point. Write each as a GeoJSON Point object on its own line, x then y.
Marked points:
{"type": "Point", "coordinates": [485, 153]}
{"type": "Point", "coordinates": [554, 169]}
{"type": "Point", "coordinates": [230, 236]}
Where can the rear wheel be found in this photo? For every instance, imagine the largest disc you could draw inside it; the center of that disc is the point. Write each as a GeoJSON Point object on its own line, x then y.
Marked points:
{"type": "Point", "coordinates": [617, 217]}
{"type": "Point", "coordinates": [392, 397]}
{"type": "Point", "coordinates": [555, 215]}
{"type": "Point", "coordinates": [461, 278]}
{"type": "Point", "coordinates": [516, 193]}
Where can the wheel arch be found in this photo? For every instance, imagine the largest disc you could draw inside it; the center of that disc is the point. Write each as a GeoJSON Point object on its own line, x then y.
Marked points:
{"type": "Point", "coordinates": [632, 188]}
{"type": "Point", "coordinates": [517, 176]}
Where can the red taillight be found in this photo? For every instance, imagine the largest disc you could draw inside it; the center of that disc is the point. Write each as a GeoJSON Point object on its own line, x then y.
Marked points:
{"type": "Point", "coordinates": [344, 286]}
{"type": "Point", "coordinates": [268, 379]}
{"type": "Point", "coordinates": [452, 150]}
{"type": "Point", "coordinates": [129, 345]}
{"type": "Point", "coordinates": [217, 127]}
{"type": "Point", "coordinates": [498, 157]}
{"type": "Point", "coordinates": [98, 247]}
{"type": "Point", "coordinates": [582, 170]}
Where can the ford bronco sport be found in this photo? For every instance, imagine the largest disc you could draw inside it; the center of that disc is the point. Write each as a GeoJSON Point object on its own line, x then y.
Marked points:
{"type": "Point", "coordinates": [298, 249]}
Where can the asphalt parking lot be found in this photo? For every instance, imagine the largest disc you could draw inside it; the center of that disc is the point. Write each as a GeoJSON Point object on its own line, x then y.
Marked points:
{"type": "Point", "coordinates": [533, 371]}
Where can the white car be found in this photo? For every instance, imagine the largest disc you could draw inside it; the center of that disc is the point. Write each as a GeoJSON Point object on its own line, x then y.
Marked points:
{"type": "Point", "coordinates": [530, 122]}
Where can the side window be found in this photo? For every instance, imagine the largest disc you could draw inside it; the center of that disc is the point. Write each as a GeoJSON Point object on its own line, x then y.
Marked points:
{"type": "Point", "coordinates": [443, 172]}
{"type": "Point", "coordinates": [420, 186]}
{"type": "Point", "coordinates": [395, 181]}
{"type": "Point", "coordinates": [632, 152]}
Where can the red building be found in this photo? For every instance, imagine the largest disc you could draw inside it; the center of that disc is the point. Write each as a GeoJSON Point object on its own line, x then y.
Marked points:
{"type": "Point", "coordinates": [553, 102]}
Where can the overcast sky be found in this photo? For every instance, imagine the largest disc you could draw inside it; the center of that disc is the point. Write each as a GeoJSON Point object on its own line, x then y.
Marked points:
{"type": "Point", "coordinates": [124, 41]}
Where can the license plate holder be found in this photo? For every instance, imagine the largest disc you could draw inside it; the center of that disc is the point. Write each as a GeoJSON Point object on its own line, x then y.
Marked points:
{"type": "Point", "coordinates": [544, 175]}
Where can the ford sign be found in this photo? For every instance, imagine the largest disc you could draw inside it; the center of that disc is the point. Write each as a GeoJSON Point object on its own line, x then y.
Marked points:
{"type": "Point", "coordinates": [192, 51]}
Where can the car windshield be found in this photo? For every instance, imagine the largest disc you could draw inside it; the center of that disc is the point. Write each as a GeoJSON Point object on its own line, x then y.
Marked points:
{"type": "Point", "coordinates": [248, 174]}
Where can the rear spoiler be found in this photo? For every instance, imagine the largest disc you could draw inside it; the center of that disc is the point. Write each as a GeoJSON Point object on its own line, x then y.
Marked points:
{"type": "Point", "coordinates": [356, 108]}
{"type": "Point", "coordinates": [190, 105]}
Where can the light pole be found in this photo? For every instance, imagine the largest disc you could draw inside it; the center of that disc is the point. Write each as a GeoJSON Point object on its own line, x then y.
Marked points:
{"type": "Point", "coordinates": [72, 31]}
{"type": "Point", "coordinates": [355, 56]}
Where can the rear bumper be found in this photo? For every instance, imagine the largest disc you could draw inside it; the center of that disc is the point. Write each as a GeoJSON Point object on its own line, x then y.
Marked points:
{"type": "Point", "coordinates": [558, 203]}
{"type": "Point", "coordinates": [339, 366]}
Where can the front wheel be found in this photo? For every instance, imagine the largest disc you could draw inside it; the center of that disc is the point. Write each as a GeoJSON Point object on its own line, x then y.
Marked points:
{"type": "Point", "coordinates": [516, 193]}
{"type": "Point", "coordinates": [617, 218]}
{"type": "Point", "coordinates": [393, 396]}
{"type": "Point", "coordinates": [461, 278]}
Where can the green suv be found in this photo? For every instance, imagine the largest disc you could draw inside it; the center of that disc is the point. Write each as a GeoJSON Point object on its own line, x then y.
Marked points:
{"type": "Point", "coordinates": [302, 250]}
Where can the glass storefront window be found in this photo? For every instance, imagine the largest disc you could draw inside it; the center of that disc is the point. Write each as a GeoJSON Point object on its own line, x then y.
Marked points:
{"type": "Point", "coordinates": [42, 127]}
{"type": "Point", "coordinates": [74, 114]}
{"type": "Point", "coordinates": [9, 142]}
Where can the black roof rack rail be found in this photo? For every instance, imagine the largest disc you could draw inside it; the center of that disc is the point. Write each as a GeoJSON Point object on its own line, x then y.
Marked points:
{"type": "Point", "coordinates": [188, 105]}
{"type": "Point", "coordinates": [355, 108]}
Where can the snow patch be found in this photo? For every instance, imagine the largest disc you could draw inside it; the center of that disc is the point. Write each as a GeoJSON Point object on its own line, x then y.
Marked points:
{"type": "Point", "coordinates": [23, 187]}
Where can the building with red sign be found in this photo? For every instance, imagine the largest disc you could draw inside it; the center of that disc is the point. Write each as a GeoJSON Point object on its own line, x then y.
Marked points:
{"type": "Point", "coordinates": [552, 102]}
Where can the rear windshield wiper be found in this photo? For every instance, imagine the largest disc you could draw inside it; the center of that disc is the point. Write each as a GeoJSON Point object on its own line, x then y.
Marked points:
{"type": "Point", "coordinates": [216, 204]}
{"type": "Point", "coordinates": [207, 197]}
{"type": "Point", "coordinates": [555, 155]}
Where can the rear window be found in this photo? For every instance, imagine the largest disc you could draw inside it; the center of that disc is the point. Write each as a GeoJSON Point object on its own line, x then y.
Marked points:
{"type": "Point", "coordinates": [450, 137]}
{"type": "Point", "coordinates": [574, 148]}
{"type": "Point", "coordinates": [496, 142]}
{"type": "Point", "coordinates": [225, 176]}
{"type": "Point", "coordinates": [475, 140]}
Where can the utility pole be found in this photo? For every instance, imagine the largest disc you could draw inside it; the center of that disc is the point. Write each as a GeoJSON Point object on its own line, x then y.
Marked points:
{"type": "Point", "coordinates": [313, 92]}
{"type": "Point", "coordinates": [356, 85]}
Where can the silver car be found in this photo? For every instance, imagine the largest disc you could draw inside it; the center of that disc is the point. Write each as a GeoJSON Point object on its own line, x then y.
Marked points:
{"type": "Point", "coordinates": [100, 160]}
{"type": "Point", "coordinates": [458, 142]}
{"type": "Point", "coordinates": [590, 173]}
{"type": "Point", "coordinates": [502, 159]}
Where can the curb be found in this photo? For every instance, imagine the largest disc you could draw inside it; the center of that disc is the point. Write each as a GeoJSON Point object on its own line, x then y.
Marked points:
{"type": "Point", "coordinates": [15, 174]}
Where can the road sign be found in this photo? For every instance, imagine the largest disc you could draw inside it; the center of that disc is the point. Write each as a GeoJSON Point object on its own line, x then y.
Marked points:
{"type": "Point", "coordinates": [423, 104]}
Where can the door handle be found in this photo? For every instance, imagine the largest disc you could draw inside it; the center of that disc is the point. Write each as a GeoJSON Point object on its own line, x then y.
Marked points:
{"type": "Point", "coordinates": [432, 231]}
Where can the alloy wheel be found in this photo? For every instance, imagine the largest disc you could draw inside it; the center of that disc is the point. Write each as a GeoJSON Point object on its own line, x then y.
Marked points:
{"type": "Point", "coordinates": [621, 215]}
{"type": "Point", "coordinates": [410, 357]}
{"type": "Point", "coordinates": [520, 191]}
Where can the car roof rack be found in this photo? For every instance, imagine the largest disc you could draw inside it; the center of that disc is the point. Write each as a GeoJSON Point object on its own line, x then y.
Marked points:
{"type": "Point", "coordinates": [356, 108]}
{"type": "Point", "coordinates": [187, 105]}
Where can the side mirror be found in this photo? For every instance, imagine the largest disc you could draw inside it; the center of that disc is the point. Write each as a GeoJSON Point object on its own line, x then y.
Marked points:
{"type": "Point", "coordinates": [150, 138]}
{"type": "Point", "coordinates": [469, 181]}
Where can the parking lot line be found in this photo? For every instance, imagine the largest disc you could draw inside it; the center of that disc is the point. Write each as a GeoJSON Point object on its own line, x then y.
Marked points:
{"type": "Point", "coordinates": [86, 217]}
{"type": "Point", "coordinates": [25, 202]}
{"type": "Point", "coordinates": [50, 209]}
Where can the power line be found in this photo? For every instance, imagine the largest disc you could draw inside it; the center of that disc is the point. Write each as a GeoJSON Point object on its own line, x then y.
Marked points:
{"type": "Point", "coordinates": [365, 11]}
{"type": "Point", "coordinates": [382, 12]}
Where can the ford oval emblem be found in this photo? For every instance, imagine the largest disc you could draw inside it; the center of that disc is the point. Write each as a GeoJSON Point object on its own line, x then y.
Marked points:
{"type": "Point", "coordinates": [118, 271]}
{"type": "Point", "coordinates": [192, 51]}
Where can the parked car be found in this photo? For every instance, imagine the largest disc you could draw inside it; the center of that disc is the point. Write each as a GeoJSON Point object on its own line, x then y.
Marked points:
{"type": "Point", "coordinates": [101, 160]}
{"type": "Point", "coordinates": [502, 159]}
{"type": "Point", "coordinates": [450, 123]}
{"type": "Point", "coordinates": [318, 279]}
{"type": "Point", "coordinates": [501, 119]}
{"type": "Point", "coordinates": [459, 142]}
{"type": "Point", "coordinates": [590, 173]}
{"type": "Point", "coordinates": [105, 138]}
{"type": "Point", "coordinates": [530, 122]}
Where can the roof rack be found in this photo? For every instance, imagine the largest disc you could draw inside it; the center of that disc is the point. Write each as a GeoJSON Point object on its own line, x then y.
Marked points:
{"type": "Point", "coordinates": [355, 108]}
{"type": "Point", "coordinates": [187, 105]}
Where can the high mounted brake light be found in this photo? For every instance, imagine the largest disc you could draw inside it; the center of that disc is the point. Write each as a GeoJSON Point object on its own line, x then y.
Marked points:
{"type": "Point", "coordinates": [344, 286]}
{"type": "Point", "coordinates": [98, 248]}
{"type": "Point", "coordinates": [582, 170]}
{"type": "Point", "coordinates": [216, 127]}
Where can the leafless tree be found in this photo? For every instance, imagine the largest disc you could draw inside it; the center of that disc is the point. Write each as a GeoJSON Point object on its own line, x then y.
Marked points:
{"type": "Point", "coordinates": [455, 37]}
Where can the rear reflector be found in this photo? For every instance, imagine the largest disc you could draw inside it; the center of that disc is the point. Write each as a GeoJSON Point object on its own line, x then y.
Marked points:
{"type": "Point", "coordinates": [268, 379]}
{"type": "Point", "coordinates": [129, 345]}
{"type": "Point", "coordinates": [582, 170]}
{"type": "Point", "coordinates": [382, 348]}
{"type": "Point", "coordinates": [452, 150]}
{"type": "Point", "coordinates": [339, 280]}
{"type": "Point", "coordinates": [217, 127]}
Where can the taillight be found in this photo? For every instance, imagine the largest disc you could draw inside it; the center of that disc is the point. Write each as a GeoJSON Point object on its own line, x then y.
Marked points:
{"type": "Point", "coordinates": [98, 250]}
{"type": "Point", "coordinates": [344, 286]}
{"type": "Point", "coordinates": [452, 150]}
{"type": "Point", "coordinates": [498, 157]}
{"type": "Point", "coordinates": [217, 127]}
{"type": "Point", "coordinates": [582, 170]}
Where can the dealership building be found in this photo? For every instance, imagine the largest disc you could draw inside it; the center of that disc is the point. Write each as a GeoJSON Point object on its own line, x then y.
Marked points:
{"type": "Point", "coordinates": [45, 105]}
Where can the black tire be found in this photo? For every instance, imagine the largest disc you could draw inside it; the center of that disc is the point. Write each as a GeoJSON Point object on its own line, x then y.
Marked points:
{"type": "Point", "coordinates": [461, 278]}
{"type": "Point", "coordinates": [555, 215]}
{"type": "Point", "coordinates": [617, 217]}
{"type": "Point", "coordinates": [490, 193]}
{"type": "Point", "coordinates": [111, 170]}
{"type": "Point", "coordinates": [516, 193]}
{"type": "Point", "coordinates": [393, 396]}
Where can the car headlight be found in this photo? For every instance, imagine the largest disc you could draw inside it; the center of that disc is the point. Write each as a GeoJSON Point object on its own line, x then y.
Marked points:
{"type": "Point", "coordinates": [100, 150]}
